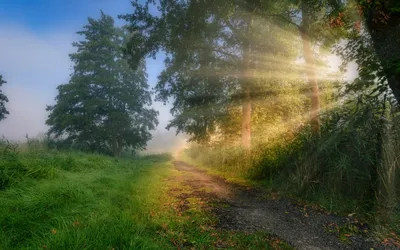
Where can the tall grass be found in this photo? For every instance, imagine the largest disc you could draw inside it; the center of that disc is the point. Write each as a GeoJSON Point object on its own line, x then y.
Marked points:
{"type": "Point", "coordinates": [78, 201]}
{"type": "Point", "coordinates": [350, 167]}
{"type": "Point", "coordinates": [263, 162]}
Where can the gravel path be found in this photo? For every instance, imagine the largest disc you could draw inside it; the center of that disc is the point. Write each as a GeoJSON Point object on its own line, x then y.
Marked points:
{"type": "Point", "coordinates": [248, 210]}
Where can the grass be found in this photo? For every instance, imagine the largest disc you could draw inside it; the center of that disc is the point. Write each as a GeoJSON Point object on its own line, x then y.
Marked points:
{"type": "Point", "coordinates": [228, 174]}
{"type": "Point", "coordinates": [54, 200]}
{"type": "Point", "coordinates": [94, 204]}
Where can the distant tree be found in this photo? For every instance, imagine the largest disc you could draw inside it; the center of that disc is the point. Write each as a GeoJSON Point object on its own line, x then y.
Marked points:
{"type": "Point", "coordinates": [3, 99]}
{"type": "Point", "coordinates": [104, 107]}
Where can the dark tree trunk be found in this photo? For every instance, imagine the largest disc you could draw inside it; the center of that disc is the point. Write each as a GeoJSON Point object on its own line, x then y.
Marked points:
{"type": "Point", "coordinates": [116, 148]}
{"type": "Point", "coordinates": [384, 28]}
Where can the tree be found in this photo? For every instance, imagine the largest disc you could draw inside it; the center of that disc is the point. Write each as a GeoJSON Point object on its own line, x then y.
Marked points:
{"type": "Point", "coordinates": [213, 52]}
{"type": "Point", "coordinates": [383, 23]}
{"type": "Point", "coordinates": [304, 28]}
{"type": "Point", "coordinates": [373, 34]}
{"type": "Point", "coordinates": [3, 100]}
{"type": "Point", "coordinates": [310, 17]}
{"type": "Point", "coordinates": [372, 42]}
{"type": "Point", "coordinates": [104, 107]}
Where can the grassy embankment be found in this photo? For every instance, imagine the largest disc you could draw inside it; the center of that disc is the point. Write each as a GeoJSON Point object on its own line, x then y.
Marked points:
{"type": "Point", "coordinates": [315, 177]}
{"type": "Point", "coordinates": [54, 200]}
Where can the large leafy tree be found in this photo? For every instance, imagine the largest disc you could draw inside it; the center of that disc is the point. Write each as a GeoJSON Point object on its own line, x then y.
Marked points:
{"type": "Point", "coordinates": [3, 100]}
{"type": "Point", "coordinates": [216, 59]}
{"type": "Point", "coordinates": [104, 107]}
{"type": "Point", "coordinates": [372, 31]}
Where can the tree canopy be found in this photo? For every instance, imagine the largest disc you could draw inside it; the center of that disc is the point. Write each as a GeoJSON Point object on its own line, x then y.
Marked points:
{"type": "Point", "coordinates": [105, 105]}
{"type": "Point", "coordinates": [220, 56]}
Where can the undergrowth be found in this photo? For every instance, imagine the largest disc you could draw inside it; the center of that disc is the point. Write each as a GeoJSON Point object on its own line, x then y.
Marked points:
{"type": "Point", "coordinates": [347, 169]}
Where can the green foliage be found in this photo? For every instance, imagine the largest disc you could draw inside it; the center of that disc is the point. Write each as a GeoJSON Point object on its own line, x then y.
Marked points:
{"type": "Point", "coordinates": [103, 108]}
{"type": "Point", "coordinates": [16, 166]}
{"type": "Point", "coordinates": [343, 161]}
{"type": "Point", "coordinates": [219, 55]}
{"type": "Point", "coordinates": [383, 31]}
{"type": "Point", "coordinates": [262, 163]}
{"type": "Point", "coordinates": [82, 203]}
{"type": "Point", "coordinates": [3, 100]}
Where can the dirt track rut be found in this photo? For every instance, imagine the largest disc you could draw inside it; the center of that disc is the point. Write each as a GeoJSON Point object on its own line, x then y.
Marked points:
{"type": "Point", "coordinates": [249, 210]}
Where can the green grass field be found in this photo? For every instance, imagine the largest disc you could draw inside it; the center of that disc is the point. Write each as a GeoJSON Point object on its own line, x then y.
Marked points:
{"type": "Point", "coordinates": [83, 201]}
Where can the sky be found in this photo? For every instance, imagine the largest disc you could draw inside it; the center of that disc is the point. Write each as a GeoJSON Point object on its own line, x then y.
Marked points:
{"type": "Point", "coordinates": [35, 41]}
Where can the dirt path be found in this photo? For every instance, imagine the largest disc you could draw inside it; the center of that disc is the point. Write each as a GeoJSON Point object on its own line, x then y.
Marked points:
{"type": "Point", "coordinates": [249, 211]}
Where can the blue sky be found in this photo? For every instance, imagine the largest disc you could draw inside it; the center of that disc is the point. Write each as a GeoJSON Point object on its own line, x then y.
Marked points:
{"type": "Point", "coordinates": [46, 15]}
{"type": "Point", "coordinates": [35, 40]}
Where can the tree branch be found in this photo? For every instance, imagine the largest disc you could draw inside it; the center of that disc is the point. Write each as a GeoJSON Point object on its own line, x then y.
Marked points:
{"type": "Point", "coordinates": [217, 50]}
{"type": "Point", "coordinates": [233, 29]}
{"type": "Point", "coordinates": [284, 19]}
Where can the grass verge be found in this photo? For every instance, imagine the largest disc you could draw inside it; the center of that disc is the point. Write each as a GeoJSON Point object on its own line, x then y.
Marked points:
{"type": "Point", "coordinates": [83, 201]}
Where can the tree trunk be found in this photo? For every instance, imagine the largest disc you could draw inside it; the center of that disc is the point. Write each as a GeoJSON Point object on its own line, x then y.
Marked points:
{"type": "Point", "coordinates": [246, 122]}
{"type": "Point", "coordinates": [246, 102]}
{"type": "Point", "coordinates": [310, 71]}
{"type": "Point", "coordinates": [384, 28]}
{"type": "Point", "coordinates": [116, 148]}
